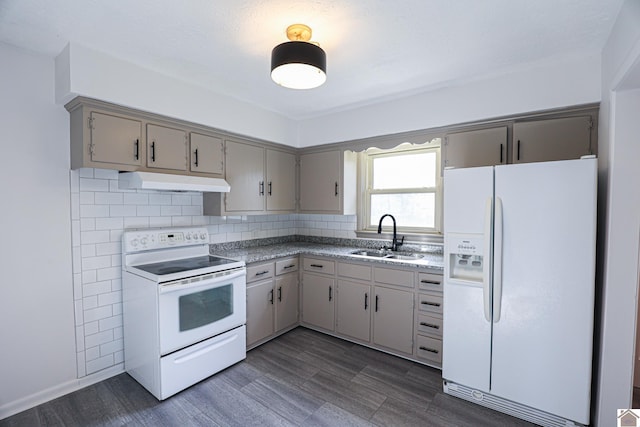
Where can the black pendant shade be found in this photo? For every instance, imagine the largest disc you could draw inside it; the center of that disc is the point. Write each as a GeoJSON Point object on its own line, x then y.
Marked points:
{"type": "Point", "coordinates": [298, 65]}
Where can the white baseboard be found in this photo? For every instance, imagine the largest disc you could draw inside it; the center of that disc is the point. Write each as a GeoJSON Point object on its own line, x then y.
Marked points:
{"type": "Point", "coordinates": [28, 402]}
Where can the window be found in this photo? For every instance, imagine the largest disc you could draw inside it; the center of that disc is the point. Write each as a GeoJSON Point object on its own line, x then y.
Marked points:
{"type": "Point", "coordinates": [404, 182]}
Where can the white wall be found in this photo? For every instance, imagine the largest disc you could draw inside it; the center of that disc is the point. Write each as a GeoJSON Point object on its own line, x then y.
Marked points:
{"type": "Point", "coordinates": [556, 83]}
{"type": "Point", "coordinates": [37, 353]}
{"type": "Point", "coordinates": [619, 145]}
{"type": "Point", "coordinates": [87, 72]}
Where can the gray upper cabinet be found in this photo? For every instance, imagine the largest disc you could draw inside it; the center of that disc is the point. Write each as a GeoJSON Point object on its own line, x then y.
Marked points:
{"type": "Point", "coordinates": [166, 148]}
{"type": "Point", "coordinates": [552, 139]}
{"type": "Point", "coordinates": [245, 175]}
{"type": "Point", "coordinates": [484, 147]}
{"type": "Point", "coordinates": [105, 139]}
{"type": "Point", "coordinates": [207, 154]}
{"type": "Point", "coordinates": [328, 182]}
{"type": "Point", "coordinates": [280, 181]}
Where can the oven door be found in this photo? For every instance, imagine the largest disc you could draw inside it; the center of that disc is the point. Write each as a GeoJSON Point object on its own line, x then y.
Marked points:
{"type": "Point", "coordinates": [197, 308]}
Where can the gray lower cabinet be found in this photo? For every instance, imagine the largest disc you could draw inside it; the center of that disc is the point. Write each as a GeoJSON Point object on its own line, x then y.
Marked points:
{"type": "Point", "coordinates": [393, 319]}
{"type": "Point", "coordinates": [272, 299]}
{"type": "Point", "coordinates": [318, 304]}
{"type": "Point", "coordinates": [354, 309]}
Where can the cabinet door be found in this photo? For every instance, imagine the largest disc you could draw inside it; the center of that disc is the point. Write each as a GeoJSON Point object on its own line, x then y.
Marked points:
{"type": "Point", "coordinates": [166, 148]}
{"type": "Point", "coordinates": [353, 310]}
{"type": "Point", "coordinates": [115, 139]}
{"type": "Point", "coordinates": [318, 300]}
{"type": "Point", "coordinates": [320, 183]}
{"type": "Point", "coordinates": [281, 181]}
{"type": "Point", "coordinates": [207, 154]}
{"type": "Point", "coordinates": [245, 175]}
{"type": "Point", "coordinates": [286, 301]}
{"type": "Point", "coordinates": [485, 147]}
{"type": "Point", "coordinates": [393, 319]}
{"type": "Point", "coordinates": [553, 139]}
{"type": "Point", "coordinates": [260, 300]}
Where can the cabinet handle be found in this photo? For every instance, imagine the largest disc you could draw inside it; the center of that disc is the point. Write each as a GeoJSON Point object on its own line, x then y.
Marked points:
{"type": "Point", "coordinates": [430, 350]}
{"type": "Point", "coordinates": [286, 267]}
{"type": "Point", "coordinates": [376, 309]}
{"type": "Point", "coordinates": [501, 153]}
{"type": "Point", "coordinates": [430, 282]}
{"type": "Point", "coordinates": [316, 265]}
{"type": "Point", "coordinates": [280, 294]}
{"type": "Point", "coordinates": [336, 189]}
{"type": "Point", "coordinates": [153, 152]}
{"type": "Point", "coordinates": [518, 154]}
{"type": "Point", "coordinates": [261, 188]}
{"type": "Point", "coordinates": [330, 293]}
{"type": "Point", "coordinates": [260, 273]}
{"type": "Point", "coordinates": [136, 152]}
{"type": "Point", "coordinates": [196, 155]}
{"type": "Point", "coordinates": [435, 304]}
{"type": "Point", "coordinates": [429, 325]}
{"type": "Point", "coordinates": [269, 187]}
{"type": "Point", "coordinates": [271, 296]}
{"type": "Point", "coordinates": [366, 301]}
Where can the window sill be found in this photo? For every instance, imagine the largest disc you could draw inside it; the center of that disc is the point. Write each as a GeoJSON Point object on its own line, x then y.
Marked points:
{"type": "Point", "coordinates": [435, 238]}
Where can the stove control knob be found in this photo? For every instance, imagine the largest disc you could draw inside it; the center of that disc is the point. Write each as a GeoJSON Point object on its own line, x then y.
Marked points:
{"type": "Point", "coordinates": [203, 236]}
{"type": "Point", "coordinates": [134, 242]}
{"type": "Point", "coordinates": [188, 236]}
{"type": "Point", "coordinates": [143, 241]}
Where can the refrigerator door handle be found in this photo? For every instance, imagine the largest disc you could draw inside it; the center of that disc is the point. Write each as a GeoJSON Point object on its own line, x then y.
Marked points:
{"type": "Point", "coordinates": [486, 272]}
{"type": "Point", "coordinates": [497, 268]}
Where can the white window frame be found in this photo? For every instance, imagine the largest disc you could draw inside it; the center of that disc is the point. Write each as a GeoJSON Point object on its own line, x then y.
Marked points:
{"type": "Point", "coordinates": [366, 187]}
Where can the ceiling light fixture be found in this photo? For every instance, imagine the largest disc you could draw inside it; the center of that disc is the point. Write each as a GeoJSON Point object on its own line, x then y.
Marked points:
{"type": "Point", "coordinates": [298, 63]}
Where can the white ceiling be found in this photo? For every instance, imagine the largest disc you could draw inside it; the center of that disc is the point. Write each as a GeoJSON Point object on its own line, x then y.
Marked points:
{"type": "Point", "coordinates": [376, 49]}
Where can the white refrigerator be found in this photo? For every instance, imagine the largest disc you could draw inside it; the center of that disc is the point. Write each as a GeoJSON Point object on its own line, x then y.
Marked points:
{"type": "Point", "coordinates": [519, 284]}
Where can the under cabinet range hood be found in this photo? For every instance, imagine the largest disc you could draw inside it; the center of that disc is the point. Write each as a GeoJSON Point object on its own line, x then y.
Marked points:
{"type": "Point", "coordinates": [170, 182]}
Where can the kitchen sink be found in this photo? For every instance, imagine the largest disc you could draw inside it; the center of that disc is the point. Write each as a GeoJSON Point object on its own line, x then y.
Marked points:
{"type": "Point", "coordinates": [388, 255]}
{"type": "Point", "coordinates": [411, 257]}
{"type": "Point", "coordinates": [375, 254]}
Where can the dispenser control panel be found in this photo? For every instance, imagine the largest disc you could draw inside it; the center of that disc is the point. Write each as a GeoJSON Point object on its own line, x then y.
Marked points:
{"type": "Point", "coordinates": [465, 256]}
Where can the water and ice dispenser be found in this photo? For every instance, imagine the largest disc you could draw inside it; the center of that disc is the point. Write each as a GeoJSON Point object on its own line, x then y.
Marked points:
{"type": "Point", "coordinates": [466, 259]}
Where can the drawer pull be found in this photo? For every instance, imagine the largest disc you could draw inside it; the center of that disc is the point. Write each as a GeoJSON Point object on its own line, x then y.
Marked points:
{"type": "Point", "coordinates": [280, 294]}
{"type": "Point", "coordinates": [366, 300]}
{"type": "Point", "coordinates": [289, 266]}
{"type": "Point", "coordinates": [430, 350]}
{"type": "Point", "coordinates": [430, 282]}
{"type": "Point", "coordinates": [430, 325]}
{"type": "Point", "coordinates": [434, 304]}
{"type": "Point", "coordinates": [271, 296]}
{"type": "Point", "coordinates": [330, 293]}
{"type": "Point", "coordinates": [316, 265]}
{"type": "Point", "coordinates": [260, 273]}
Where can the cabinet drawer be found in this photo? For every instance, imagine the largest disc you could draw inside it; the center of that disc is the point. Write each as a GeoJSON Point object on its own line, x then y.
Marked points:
{"type": "Point", "coordinates": [430, 303]}
{"type": "Point", "coordinates": [394, 277]}
{"type": "Point", "coordinates": [259, 271]}
{"type": "Point", "coordinates": [319, 265]}
{"type": "Point", "coordinates": [286, 266]}
{"type": "Point", "coordinates": [429, 349]}
{"type": "Point", "coordinates": [430, 325]}
{"type": "Point", "coordinates": [430, 282]}
{"type": "Point", "coordinates": [354, 271]}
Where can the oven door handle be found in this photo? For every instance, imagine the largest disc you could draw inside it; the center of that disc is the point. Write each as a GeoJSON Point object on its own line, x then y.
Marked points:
{"type": "Point", "coordinates": [216, 278]}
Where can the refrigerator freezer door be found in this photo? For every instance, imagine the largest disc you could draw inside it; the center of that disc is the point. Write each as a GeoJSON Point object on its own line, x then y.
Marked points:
{"type": "Point", "coordinates": [467, 337]}
{"type": "Point", "coordinates": [542, 342]}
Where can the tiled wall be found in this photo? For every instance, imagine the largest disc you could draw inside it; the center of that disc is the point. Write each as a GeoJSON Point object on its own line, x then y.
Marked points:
{"type": "Point", "coordinates": [100, 212]}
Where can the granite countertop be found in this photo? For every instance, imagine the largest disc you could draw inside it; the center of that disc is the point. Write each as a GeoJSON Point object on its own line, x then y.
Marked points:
{"type": "Point", "coordinates": [432, 259]}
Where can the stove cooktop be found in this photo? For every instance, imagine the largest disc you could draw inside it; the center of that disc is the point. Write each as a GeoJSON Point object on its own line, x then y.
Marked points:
{"type": "Point", "coordinates": [183, 265]}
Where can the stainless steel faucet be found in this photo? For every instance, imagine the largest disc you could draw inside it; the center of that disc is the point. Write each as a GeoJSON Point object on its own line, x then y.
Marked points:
{"type": "Point", "coordinates": [394, 242]}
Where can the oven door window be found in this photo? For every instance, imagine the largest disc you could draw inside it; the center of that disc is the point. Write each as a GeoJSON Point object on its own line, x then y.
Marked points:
{"type": "Point", "coordinates": [205, 307]}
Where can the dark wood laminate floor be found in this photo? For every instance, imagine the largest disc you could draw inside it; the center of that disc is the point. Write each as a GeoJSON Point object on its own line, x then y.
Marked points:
{"type": "Point", "coordinates": [302, 378]}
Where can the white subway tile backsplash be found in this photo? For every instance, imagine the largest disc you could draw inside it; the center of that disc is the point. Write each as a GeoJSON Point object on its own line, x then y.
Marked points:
{"type": "Point", "coordinates": [122, 210]}
{"type": "Point", "coordinates": [136, 199]}
{"type": "Point", "coordinates": [181, 221]}
{"type": "Point", "coordinates": [110, 248]}
{"type": "Point", "coordinates": [148, 210]}
{"type": "Point", "coordinates": [86, 172]}
{"type": "Point", "coordinates": [90, 237]}
{"type": "Point", "coordinates": [97, 313]}
{"type": "Point", "coordinates": [109, 273]}
{"type": "Point", "coordinates": [160, 199]}
{"type": "Point", "coordinates": [90, 184]}
{"type": "Point", "coordinates": [180, 199]}
{"type": "Point", "coordinates": [88, 250]}
{"type": "Point", "coordinates": [109, 223]}
{"type": "Point", "coordinates": [89, 303]}
{"type": "Point", "coordinates": [170, 210]}
{"type": "Point", "coordinates": [105, 173]}
{"type": "Point", "coordinates": [91, 328]}
{"type": "Point", "coordinates": [87, 198]}
{"type": "Point", "coordinates": [110, 298]}
{"type": "Point", "coordinates": [96, 262]}
{"type": "Point", "coordinates": [136, 222]}
{"type": "Point", "coordinates": [191, 210]}
{"type": "Point", "coordinates": [111, 323]}
{"type": "Point", "coordinates": [96, 365]}
{"type": "Point", "coordinates": [98, 338]}
{"type": "Point", "coordinates": [108, 198]}
{"type": "Point", "coordinates": [118, 357]}
{"type": "Point", "coordinates": [88, 276]}
{"type": "Point", "coordinates": [111, 347]}
{"type": "Point", "coordinates": [97, 288]}
{"type": "Point", "coordinates": [94, 211]}
{"type": "Point", "coordinates": [92, 353]}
